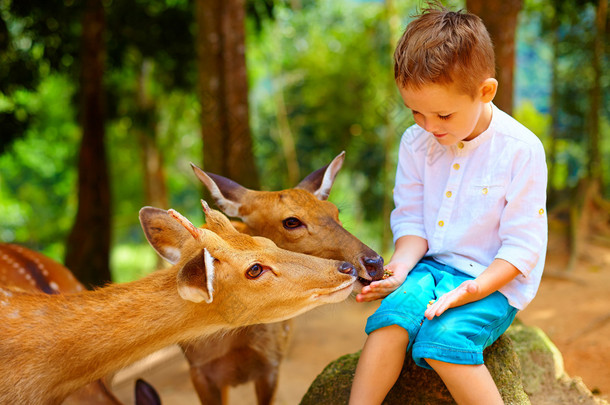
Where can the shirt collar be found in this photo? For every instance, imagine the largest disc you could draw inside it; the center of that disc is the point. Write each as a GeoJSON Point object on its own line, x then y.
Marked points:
{"type": "Point", "coordinates": [466, 146]}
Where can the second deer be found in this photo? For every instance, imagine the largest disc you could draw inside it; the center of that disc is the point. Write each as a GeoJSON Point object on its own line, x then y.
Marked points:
{"type": "Point", "coordinates": [299, 219]}
{"type": "Point", "coordinates": [220, 279]}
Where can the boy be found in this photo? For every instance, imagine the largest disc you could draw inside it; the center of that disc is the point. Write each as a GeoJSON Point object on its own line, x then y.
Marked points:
{"type": "Point", "coordinates": [470, 227]}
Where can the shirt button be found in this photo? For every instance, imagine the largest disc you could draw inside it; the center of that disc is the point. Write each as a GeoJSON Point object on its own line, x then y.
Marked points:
{"type": "Point", "coordinates": [441, 223]}
{"type": "Point", "coordinates": [541, 211]}
{"type": "Point", "coordinates": [456, 166]}
{"type": "Point", "coordinates": [448, 194]}
{"type": "Point", "coordinates": [485, 190]}
{"type": "Point", "coordinates": [460, 145]}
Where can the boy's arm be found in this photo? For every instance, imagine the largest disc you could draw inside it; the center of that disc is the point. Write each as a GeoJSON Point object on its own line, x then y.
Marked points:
{"type": "Point", "coordinates": [409, 250]}
{"type": "Point", "coordinates": [497, 275]}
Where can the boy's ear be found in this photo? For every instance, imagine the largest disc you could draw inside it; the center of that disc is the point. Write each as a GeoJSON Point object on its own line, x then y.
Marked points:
{"type": "Point", "coordinates": [488, 89]}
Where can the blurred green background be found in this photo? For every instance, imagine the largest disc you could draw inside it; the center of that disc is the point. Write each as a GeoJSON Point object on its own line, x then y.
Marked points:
{"type": "Point", "coordinates": [320, 78]}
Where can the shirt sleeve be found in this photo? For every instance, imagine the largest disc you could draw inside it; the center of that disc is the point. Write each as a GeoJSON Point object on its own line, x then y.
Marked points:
{"type": "Point", "coordinates": [523, 225]}
{"type": "Point", "coordinates": [408, 216]}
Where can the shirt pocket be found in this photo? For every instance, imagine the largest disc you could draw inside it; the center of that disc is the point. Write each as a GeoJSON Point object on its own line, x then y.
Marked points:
{"type": "Point", "coordinates": [485, 198]}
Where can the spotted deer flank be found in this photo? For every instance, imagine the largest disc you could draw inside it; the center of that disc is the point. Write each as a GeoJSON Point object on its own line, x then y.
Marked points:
{"type": "Point", "coordinates": [26, 269]}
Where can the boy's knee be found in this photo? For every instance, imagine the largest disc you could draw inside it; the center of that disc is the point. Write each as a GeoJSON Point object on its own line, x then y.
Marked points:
{"type": "Point", "coordinates": [392, 333]}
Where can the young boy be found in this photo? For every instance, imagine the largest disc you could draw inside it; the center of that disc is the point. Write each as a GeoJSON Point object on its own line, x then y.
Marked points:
{"type": "Point", "coordinates": [470, 227]}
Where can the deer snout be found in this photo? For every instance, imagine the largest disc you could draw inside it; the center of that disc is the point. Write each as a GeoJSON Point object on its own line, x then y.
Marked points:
{"type": "Point", "coordinates": [374, 266]}
{"type": "Point", "coordinates": [347, 268]}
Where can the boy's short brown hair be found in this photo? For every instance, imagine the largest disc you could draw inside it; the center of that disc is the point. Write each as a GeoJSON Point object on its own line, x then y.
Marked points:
{"type": "Point", "coordinates": [444, 47]}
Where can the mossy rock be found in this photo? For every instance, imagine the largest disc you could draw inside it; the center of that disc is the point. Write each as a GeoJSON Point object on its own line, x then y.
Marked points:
{"type": "Point", "coordinates": [542, 374]}
{"type": "Point", "coordinates": [522, 354]}
{"type": "Point", "coordinates": [417, 385]}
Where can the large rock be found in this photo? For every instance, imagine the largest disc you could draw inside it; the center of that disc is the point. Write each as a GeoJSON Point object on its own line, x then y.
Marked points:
{"type": "Point", "coordinates": [524, 363]}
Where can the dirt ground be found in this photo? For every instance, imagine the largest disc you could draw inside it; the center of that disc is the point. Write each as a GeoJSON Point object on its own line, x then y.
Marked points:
{"type": "Point", "coordinates": [574, 312]}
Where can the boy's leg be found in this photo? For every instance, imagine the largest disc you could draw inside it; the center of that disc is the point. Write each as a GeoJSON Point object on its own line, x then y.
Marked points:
{"type": "Point", "coordinates": [379, 366]}
{"type": "Point", "coordinates": [468, 384]}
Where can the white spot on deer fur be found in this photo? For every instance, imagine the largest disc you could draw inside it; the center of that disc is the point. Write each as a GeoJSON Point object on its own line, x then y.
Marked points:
{"type": "Point", "coordinates": [21, 270]}
{"type": "Point", "coordinates": [54, 285]}
{"type": "Point", "coordinates": [7, 293]}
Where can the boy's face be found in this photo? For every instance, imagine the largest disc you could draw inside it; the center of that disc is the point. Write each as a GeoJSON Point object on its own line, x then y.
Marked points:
{"type": "Point", "coordinates": [451, 116]}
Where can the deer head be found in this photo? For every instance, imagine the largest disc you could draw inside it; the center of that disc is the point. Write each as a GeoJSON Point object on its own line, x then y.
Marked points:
{"type": "Point", "coordinates": [300, 219]}
{"type": "Point", "coordinates": [253, 271]}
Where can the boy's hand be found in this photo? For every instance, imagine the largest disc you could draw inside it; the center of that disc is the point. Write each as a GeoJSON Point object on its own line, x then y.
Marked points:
{"type": "Point", "coordinates": [382, 288]}
{"type": "Point", "coordinates": [467, 292]}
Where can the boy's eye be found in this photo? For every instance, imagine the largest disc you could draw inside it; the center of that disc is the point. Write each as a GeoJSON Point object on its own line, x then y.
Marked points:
{"type": "Point", "coordinates": [444, 117]}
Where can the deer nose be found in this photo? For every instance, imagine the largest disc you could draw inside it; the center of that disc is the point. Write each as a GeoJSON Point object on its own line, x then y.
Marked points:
{"type": "Point", "coordinates": [374, 266]}
{"type": "Point", "coordinates": [347, 268]}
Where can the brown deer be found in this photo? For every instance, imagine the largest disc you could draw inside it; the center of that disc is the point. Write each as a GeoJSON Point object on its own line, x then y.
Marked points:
{"type": "Point", "coordinates": [299, 219]}
{"type": "Point", "coordinates": [220, 279]}
{"type": "Point", "coordinates": [28, 270]}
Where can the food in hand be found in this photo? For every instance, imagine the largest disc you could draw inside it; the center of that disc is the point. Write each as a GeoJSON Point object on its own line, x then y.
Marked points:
{"type": "Point", "coordinates": [387, 273]}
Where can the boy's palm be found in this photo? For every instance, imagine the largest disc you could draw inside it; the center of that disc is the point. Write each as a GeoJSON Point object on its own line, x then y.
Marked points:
{"type": "Point", "coordinates": [463, 294]}
{"type": "Point", "coordinates": [382, 288]}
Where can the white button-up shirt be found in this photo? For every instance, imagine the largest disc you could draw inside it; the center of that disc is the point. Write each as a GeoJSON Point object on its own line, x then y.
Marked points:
{"type": "Point", "coordinates": [477, 201]}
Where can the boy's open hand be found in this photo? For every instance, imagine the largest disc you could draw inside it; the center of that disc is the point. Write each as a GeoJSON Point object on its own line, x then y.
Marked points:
{"type": "Point", "coordinates": [467, 292]}
{"type": "Point", "coordinates": [382, 288]}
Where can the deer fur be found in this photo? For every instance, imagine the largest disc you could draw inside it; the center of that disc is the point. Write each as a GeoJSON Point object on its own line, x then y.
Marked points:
{"type": "Point", "coordinates": [54, 344]}
{"type": "Point", "coordinates": [255, 353]}
{"type": "Point", "coordinates": [28, 270]}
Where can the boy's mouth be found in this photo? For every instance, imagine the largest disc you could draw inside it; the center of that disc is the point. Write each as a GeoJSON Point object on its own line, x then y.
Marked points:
{"type": "Point", "coordinates": [440, 135]}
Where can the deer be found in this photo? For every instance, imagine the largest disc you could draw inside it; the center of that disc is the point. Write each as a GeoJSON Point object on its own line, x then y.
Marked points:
{"type": "Point", "coordinates": [220, 279]}
{"type": "Point", "coordinates": [29, 270]}
{"type": "Point", "coordinates": [300, 219]}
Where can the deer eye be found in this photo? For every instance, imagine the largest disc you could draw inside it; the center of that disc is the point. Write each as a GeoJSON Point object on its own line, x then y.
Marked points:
{"type": "Point", "coordinates": [291, 223]}
{"type": "Point", "coordinates": [255, 271]}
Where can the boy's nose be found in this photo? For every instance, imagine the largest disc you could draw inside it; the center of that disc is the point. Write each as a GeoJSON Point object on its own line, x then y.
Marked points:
{"type": "Point", "coordinates": [430, 126]}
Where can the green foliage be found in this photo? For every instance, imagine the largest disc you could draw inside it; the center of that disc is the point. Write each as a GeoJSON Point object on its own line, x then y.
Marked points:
{"type": "Point", "coordinates": [38, 176]}
{"type": "Point", "coordinates": [327, 71]}
{"type": "Point", "coordinates": [131, 262]}
{"type": "Point", "coordinates": [320, 75]}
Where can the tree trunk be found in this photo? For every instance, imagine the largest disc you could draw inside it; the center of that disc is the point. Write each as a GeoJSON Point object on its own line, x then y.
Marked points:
{"type": "Point", "coordinates": [88, 246]}
{"type": "Point", "coordinates": [155, 184]}
{"type": "Point", "coordinates": [554, 108]}
{"type": "Point", "coordinates": [500, 18]}
{"type": "Point", "coordinates": [592, 215]}
{"type": "Point", "coordinates": [151, 156]}
{"type": "Point", "coordinates": [595, 158]}
{"type": "Point", "coordinates": [223, 90]}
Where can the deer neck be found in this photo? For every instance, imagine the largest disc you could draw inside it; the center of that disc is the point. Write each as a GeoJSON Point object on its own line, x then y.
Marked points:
{"type": "Point", "coordinates": [98, 331]}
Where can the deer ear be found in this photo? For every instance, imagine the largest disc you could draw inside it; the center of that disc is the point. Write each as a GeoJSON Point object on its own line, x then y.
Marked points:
{"type": "Point", "coordinates": [226, 192]}
{"type": "Point", "coordinates": [166, 235]}
{"type": "Point", "coordinates": [195, 279]}
{"type": "Point", "coordinates": [321, 181]}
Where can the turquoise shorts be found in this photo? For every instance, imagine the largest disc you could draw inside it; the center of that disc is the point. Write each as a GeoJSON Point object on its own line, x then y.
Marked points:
{"type": "Point", "coordinates": [460, 334]}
